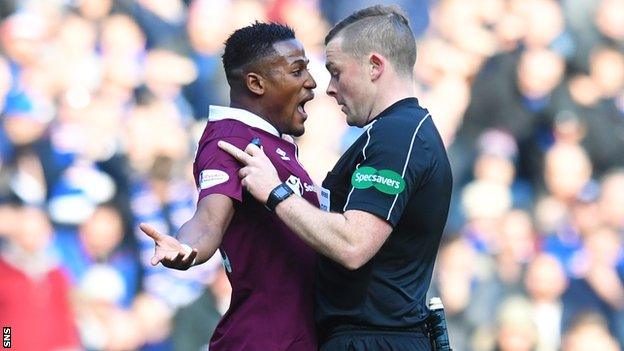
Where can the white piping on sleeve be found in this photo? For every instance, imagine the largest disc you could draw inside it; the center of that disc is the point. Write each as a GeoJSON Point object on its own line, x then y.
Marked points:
{"type": "Point", "coordinates": [358, 165]}
{"type": "Point", "coordinates": [409, 153]}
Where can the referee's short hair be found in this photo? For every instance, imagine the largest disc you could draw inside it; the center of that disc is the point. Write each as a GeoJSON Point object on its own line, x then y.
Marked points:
{"type": "Point", "coordinates": [384, 29]}
{"type": "Point", "coordinates": [248, 45]}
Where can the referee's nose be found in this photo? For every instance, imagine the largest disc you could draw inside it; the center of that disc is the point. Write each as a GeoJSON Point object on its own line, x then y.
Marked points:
{"type": "Point", "coordinates": [331, 88]}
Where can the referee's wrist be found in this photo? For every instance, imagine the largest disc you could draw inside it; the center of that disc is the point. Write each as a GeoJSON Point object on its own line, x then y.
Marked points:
{"type": "Point", "coordinates": [277, 195]}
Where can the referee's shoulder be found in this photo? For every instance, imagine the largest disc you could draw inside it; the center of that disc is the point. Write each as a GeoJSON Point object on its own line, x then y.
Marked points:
{"type": "Point", "coordinates": [405, 121]}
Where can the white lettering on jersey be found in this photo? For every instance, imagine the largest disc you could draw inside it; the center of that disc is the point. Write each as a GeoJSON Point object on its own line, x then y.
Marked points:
{"type": "Point", "coordinates": [211, 177]}
{"type": "Point", "coordinates": [282, 154]}
{"type": "Point", "coordinates": [309, 187]}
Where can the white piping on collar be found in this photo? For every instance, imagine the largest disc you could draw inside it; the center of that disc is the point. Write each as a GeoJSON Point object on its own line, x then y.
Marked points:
{"type": "Point", "coordinates": [218, 113]}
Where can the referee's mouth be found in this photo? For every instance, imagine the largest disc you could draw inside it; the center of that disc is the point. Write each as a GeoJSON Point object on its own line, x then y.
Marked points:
{"type": "Point", "coordinates": [343, 107]}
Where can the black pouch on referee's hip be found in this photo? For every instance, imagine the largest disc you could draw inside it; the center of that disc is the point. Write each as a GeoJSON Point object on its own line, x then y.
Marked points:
{"type": "Point", "coordinates": [436, 326]}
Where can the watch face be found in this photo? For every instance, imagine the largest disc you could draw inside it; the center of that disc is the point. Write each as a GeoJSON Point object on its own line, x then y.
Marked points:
{"type": "Point", "coordinates": [281, 192]}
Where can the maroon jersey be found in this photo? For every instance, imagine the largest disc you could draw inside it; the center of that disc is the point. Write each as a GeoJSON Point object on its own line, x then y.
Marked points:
{"type": "Point", "coordinates": [270, 269]}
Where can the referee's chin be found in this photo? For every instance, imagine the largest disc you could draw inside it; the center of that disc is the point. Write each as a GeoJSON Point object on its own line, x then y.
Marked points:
{"type": "Point", "coordinates": [351, 119]}
{"type": "Point", "coordinates": [353, 122]}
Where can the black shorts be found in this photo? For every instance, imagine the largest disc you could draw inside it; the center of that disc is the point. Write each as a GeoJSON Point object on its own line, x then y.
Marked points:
{"type": "Point", "coordinates": [367, 340]}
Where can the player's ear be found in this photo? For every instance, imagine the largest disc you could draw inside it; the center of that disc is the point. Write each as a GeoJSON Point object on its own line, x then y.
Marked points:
{"type": "Point", "coordinates": [255, 83]}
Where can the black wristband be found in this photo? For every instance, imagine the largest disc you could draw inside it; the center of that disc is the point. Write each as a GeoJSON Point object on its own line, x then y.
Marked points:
{"type": "Point", "coordinates": [277, 195]}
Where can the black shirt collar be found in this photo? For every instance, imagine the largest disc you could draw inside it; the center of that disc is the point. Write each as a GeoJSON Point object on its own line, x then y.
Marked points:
{"type": "Point", "coordinates": [410, 101]}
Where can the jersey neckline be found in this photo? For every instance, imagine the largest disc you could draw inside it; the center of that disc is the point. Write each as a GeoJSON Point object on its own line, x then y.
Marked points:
{"type": "Point", "coordinates": [218, 113]}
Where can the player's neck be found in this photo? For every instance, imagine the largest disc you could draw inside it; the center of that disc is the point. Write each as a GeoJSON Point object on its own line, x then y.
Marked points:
{"type": "Point", "coordinates": [254, 108]}
{"type": "Point", "coordinates": [249, 106]}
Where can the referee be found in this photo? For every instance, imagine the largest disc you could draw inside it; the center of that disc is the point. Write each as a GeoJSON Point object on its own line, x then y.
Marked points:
{"type": "Point", "coordinates": [388, 194]}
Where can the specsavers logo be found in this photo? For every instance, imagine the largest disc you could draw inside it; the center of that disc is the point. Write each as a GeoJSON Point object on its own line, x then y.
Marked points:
{"type": "Point", "coordinates": [385, 180]}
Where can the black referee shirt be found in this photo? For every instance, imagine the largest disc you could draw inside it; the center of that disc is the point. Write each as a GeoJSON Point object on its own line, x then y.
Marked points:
{"type": "Point", "coordinates": [397, 170]}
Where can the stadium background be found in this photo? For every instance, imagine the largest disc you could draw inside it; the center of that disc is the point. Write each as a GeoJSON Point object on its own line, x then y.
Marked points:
{"type": "Point", "coordinates": [103, 100]}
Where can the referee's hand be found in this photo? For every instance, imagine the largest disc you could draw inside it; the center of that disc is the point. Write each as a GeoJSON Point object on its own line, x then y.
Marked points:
{"type": "Point", "coordinates": [258, 174]}
{"type": "Point", "coordinates": [169, 251]}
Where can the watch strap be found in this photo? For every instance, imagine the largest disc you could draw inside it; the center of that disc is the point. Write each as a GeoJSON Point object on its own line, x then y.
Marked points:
{"type": "Point", "coordinates": [277, 195]}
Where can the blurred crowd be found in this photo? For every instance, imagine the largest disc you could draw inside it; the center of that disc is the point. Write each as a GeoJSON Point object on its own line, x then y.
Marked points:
{"type": "Point", "coordinates": [102, 103]}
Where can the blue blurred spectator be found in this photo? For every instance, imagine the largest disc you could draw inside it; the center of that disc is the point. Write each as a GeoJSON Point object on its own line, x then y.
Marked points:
{"type": "Point", "coordinates": [98, 245]}
{"type": "Point", "coordinates": [417, 11]}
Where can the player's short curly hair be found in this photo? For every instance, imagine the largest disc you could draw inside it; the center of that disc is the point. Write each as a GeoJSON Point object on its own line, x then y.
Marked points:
{"type": "Point", "coordinates": [249, 44]}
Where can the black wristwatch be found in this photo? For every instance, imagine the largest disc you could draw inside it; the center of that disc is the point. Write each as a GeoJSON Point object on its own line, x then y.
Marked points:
{"type": "Point", "coordinates": [277, 195]}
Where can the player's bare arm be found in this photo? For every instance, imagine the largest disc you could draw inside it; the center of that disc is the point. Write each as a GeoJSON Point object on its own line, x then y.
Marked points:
{"type": "Point", "coordinates": [198, 239]}
{"type": "Point", "coordinates": [350, 239]}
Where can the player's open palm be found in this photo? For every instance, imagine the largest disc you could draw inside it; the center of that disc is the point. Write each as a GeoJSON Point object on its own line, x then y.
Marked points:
{"type": "Point", "coordinates": [169, 251]}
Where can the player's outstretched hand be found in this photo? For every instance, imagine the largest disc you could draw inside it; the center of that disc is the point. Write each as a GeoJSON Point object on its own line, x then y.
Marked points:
{"type": "Point", "coordinates": [169, 251]}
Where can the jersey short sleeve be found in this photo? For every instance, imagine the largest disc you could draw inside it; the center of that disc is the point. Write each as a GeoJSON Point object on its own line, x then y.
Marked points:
{"type": "Point", "coordinates": [395, 162]}
{"type": "Point", "coordinates": [216, 171]}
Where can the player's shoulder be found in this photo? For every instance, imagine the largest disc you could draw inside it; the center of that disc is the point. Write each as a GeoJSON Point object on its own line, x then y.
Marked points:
{"type": "Point", "coordinates": [226, 129]}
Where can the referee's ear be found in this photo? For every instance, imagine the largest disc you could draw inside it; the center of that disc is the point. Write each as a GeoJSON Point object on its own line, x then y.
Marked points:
{"type": "Point", "coordinates": [377, 64]}
{"type": "Point", "coordinates": [255, 83]}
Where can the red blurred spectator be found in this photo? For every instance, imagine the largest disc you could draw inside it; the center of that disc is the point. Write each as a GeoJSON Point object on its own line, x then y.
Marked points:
{"type": "Point", "coordinates": [34, 292]}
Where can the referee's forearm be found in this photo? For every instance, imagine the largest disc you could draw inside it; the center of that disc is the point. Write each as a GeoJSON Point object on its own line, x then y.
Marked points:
{"type": "Point", "coordinates": [323, 231]}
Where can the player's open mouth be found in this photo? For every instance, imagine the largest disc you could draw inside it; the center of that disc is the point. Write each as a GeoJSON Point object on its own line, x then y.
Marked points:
{"type": "Point", "coordinates": [301, 109]}
{"type": "Point", "coordinates": [301, 106]}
